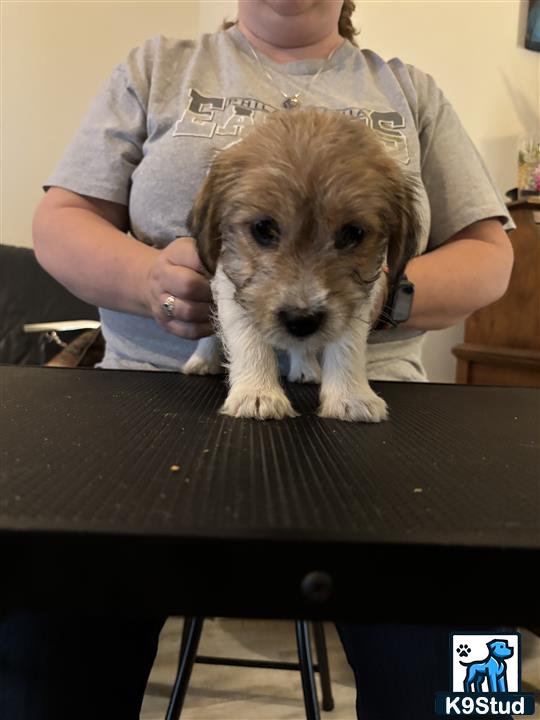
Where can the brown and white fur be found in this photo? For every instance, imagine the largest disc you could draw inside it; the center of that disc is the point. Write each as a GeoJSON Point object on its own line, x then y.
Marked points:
{"type": "Point", "coordinates": [295, 224]}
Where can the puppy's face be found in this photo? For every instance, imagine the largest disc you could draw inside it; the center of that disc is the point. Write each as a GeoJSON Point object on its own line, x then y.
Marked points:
{"type": "Point", "coordinates": [302, 215]}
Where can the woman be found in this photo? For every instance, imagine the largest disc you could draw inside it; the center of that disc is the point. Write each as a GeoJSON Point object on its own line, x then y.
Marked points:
{"type": "Point", "coordinates": [136, 164]}
{"type": "Point", "coordinates": [171, 104]}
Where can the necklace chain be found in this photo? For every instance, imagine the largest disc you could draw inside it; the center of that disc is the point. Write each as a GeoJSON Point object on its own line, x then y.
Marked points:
{"type": "Point", "coordinates": [292, 101]}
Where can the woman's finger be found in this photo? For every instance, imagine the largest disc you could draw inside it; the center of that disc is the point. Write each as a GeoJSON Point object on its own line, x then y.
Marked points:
{"type": "Point", "coordinates": [175, 308]}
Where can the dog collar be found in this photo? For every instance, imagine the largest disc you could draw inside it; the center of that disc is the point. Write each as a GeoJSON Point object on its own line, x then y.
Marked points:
{"type": "Point", "coordinates": [397, 308]}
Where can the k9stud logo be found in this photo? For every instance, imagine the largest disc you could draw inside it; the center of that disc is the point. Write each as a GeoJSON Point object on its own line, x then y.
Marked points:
{"type": "Point", "coordinates": [485, 677]}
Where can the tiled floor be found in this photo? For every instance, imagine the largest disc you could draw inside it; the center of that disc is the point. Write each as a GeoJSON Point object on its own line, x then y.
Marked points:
{"type": "Point", "coordinates": [228, 693]}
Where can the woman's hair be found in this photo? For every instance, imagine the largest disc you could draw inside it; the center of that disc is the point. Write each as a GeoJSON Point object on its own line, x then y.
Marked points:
{"type": "Point", "coordinates": [345, 26]}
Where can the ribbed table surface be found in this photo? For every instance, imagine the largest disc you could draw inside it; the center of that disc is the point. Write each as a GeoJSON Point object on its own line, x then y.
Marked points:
{"type": "Point", "coordinates": [142, 453]}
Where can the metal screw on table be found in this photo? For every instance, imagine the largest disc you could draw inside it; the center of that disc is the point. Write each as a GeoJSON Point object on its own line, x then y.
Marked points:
{"type": "Point", "coordinates": [317, 586]}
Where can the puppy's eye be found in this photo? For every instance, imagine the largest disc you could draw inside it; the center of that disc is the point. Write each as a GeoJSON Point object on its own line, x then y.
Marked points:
{"type": "Point", "coordinates": [265, 232]}
{"type": "Point", "coordinates": [348, 237]}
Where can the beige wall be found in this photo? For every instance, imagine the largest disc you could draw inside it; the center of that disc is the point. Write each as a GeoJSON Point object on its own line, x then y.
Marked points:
{"type": "Point", "coordinates": [56, 54]}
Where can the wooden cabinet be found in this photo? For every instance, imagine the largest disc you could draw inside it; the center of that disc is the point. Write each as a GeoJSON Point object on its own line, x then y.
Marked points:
{"type": "Point", "coordinates": [502, 341]}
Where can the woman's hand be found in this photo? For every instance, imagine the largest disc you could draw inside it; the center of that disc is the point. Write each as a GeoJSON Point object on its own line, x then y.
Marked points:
{"type": "Point", "coordinates": [178, 273]}
{"type": "Point", "coordinates": [83, 243]}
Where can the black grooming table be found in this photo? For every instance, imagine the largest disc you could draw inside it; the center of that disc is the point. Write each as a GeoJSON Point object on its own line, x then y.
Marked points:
{"type": "Point", "coordinates": [128, 490]}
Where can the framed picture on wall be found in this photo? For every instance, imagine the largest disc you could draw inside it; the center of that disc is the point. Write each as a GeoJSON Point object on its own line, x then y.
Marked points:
{"type": "Point", "coordinates": [532, 35]}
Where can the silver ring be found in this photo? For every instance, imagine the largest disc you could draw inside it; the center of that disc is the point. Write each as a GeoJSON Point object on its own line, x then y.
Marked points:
{"type": "Point", "coordinates": [168, 306]}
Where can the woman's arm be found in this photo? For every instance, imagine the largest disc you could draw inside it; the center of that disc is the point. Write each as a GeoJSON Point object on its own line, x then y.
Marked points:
{"type": "Point", "coordinates": [82, 242]}
{"type": "Point", "coordinates": [468, 272]}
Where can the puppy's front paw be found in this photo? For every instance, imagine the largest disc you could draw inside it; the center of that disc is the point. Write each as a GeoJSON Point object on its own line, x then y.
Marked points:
{"type": "Point", "coordinates": [363, 406]}
{"type": "Point", "coordinates": [197, 365]}
{"type": "Point", "coordinates": [248, 402]}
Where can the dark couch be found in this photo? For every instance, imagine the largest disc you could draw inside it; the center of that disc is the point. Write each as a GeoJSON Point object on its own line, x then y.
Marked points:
{"type": "Point", "coordinates": [28, 294]}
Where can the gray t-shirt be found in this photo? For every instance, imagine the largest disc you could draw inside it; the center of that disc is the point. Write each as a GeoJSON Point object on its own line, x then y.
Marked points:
{"type": "Point", "coordinates": [151, 133]}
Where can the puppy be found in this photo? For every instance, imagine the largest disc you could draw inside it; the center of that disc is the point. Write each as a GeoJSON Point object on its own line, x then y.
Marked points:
{"type": "Point", "coordinates": [296, 224]}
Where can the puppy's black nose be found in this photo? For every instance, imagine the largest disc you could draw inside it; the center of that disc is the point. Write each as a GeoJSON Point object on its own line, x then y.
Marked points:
{"type": "Point", "coordinates": [301, 324]}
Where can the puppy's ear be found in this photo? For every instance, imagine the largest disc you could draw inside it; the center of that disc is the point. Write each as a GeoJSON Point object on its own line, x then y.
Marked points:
{"type": "Point", "coordinates": [204, 221]}
{"type": "Point", "coordinates": [403, 224]}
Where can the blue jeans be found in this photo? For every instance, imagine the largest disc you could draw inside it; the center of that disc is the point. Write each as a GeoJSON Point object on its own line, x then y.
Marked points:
{"type": "Point", "coordinates": [84, 668]}
{"type": "Point", "coordinates": [398, 669]}
{"type": "Point", "coordinates": [75, 668]}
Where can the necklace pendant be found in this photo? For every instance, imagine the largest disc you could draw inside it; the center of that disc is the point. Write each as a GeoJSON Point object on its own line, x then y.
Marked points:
{"type": "Point", "coordinates": [291, 102]}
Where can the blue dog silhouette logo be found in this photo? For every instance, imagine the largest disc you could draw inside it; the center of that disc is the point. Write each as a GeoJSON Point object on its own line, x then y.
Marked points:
{"type": "Point", "coordinates": [485, 677]}
{"type": "Point", "coordinates": [492, 668]}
